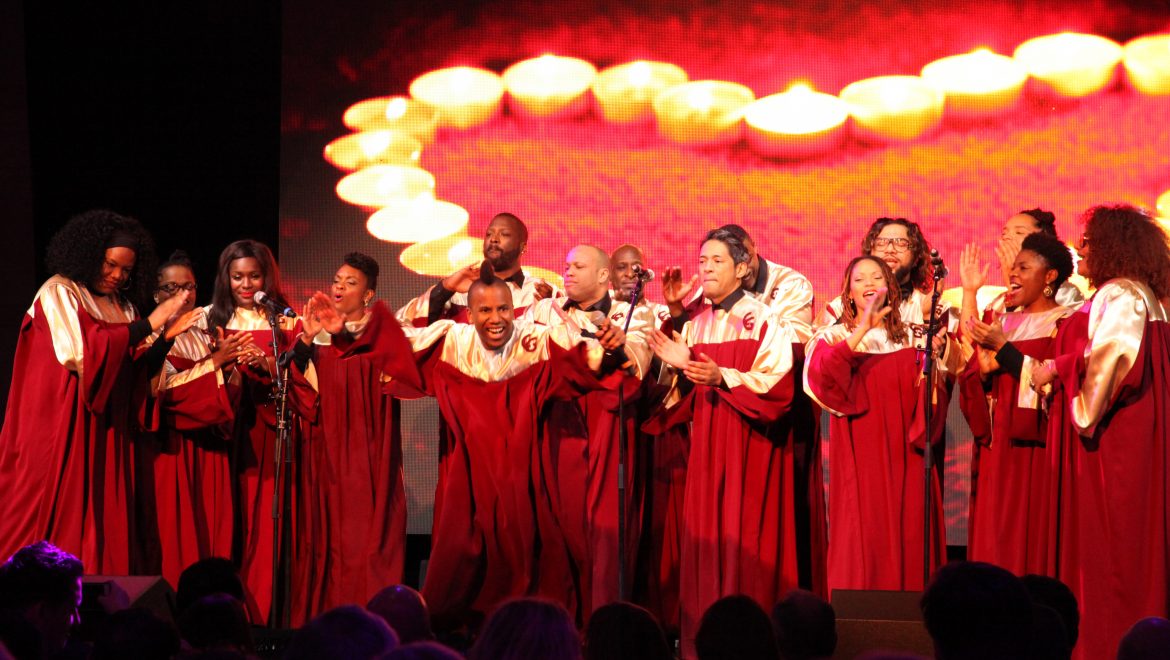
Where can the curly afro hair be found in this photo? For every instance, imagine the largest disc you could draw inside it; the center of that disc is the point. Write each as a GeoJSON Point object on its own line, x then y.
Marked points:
{"type": "Point", "coordinates": [78, 250]}
{"type": "Point", "coordinates": [1125, 241]}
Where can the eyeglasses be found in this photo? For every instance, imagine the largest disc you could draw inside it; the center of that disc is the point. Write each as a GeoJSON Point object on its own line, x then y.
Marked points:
{"type": "Point", "coordinates": [173, 288]}
{"type": "Point", "coordinates": [897, 243]}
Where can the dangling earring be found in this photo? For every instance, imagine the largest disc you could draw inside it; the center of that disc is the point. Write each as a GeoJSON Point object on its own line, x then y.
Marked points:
{"type": "Point", "coordinates": [1048, 292]}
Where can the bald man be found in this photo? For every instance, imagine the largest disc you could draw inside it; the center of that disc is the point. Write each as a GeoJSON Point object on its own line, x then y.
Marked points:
{"type": "Point", "coordinates": [494, 380]}
{"type": "Point", "coordinates": [504, 244]}
{"type": "Point", "coordinates": [582, 449]}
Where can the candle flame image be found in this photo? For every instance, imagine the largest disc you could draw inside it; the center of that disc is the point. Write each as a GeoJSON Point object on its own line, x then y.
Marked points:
{"type": "Point", "coordinates": [699, 97]}
{"type": "Point", "coordinates": [396, 108]}
{"type": "Point", "coordinates": [639, 73]}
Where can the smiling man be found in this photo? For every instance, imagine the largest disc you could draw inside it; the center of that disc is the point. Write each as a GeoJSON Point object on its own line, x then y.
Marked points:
{"type": "Point", "coordinates": [493, 379]}
{"type": "Point", "coordinates": [734, 364]}
{"type": "Point", "coordinates": [504, 245]}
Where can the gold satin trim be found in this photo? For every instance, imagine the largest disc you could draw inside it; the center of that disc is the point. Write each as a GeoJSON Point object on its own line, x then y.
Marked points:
{"type": "Point", "coordinates": [548, 312]}
{"type": "Point", "coordinates": [522, 296]}
{"type": "Point", "coordinates": [60, 299]}
{"type": "Point", "coordinates": [1118, 315]}
{"type": "Point", "coordinates": [748, 319]}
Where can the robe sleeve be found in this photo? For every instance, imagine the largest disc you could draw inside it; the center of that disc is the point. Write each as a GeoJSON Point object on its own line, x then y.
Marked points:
{"type": "Point", "coordinates": [1117, 323]}
{"type": "Point", "coordinates": [974, 402]}
{"type": "Point", "coordinates": [828, 377]}
{"type": "Point", "coordinates": [95, 351]}
{"type": "Point", "coordinates": [793, 299]}
{"type": "Point", "coordinates": [198, 397]}
{"type": "Point", "coordinates": [764, 392]}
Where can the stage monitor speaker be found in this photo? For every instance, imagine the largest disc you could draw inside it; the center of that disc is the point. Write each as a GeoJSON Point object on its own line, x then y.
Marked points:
{"type": "Point", "coordinates": [879, 620]}
{"type": "Point", "coordinates": [149, 591]}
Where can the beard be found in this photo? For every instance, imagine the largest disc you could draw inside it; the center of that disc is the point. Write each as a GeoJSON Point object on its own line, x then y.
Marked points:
{"type": "Point", "coordinates": [502, 260]}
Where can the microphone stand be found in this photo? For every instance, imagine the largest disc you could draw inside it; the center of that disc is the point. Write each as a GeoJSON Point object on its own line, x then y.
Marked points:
{"type": "Point", "coordinates": [282, 456]}
{"type": "Point", "coordinates": [623, 439]}
{"type": "Point", "coordinates": [932, 327]}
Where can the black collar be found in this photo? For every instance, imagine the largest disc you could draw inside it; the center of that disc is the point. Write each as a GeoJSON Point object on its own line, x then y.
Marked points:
{"type": "Point", "coordinates": [729, 301]}
{"type": "Point", "coordinates": [516, 278]}
{"type": "Point", "coordinates": [602, 305]}
{"type": "Point", "coordinates": [761, 275]}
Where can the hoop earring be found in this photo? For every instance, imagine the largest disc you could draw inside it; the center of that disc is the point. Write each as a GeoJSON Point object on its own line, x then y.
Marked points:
{"type": "Point", "coordinates": [1048, 292]}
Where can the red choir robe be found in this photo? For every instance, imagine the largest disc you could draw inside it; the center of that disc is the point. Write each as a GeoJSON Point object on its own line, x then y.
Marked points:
{"type": "Point", "coordinates": [739, 527]}
{"type": "Point", "coordinates": [192, 472]}
{"type": "Point", "coordinates": [253, 442]}
{"type": "Point", "coordinates": [350, 531]}
{"type": "Point", "coordinates": [876, 438]}
{"type": "Point", "coordinates": [494, 534]}
{"type": "Point", "coordinates": [1113, 396]}
{"type": "Point", "coordinates": [580, 455]}
{"type": "Point", "coordinates": [418, 312]}
{"type": "Point", "coordinates": [68, 461]}
{"type": "Point", "coordinates": [1014, 489]}
{"type": "Point", "coordinates": [662, 473]}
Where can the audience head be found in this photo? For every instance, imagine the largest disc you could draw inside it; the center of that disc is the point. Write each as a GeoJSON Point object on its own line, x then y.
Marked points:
{"type": "Point", "coordinates": [621, 273]}
{"type": "Point", "coordinates": [1056, 594]}
{"type": "Point", "coordinates": [623, 630]}
{"type": "Point", "coordinates": [19, 637]}
{"type": "Point", "coordinates": [735, 627]}
{"type": "Point", "coordinates": [1148, 639]}
{"type": "Point", "coordinates": [527, 629]}
{"type": "Point", "coordinates": [901, 244]}
{"type": "Point", "coordinates": [504, 242]}
{"type": "Point", "coordinates": [1049, 641]}
{"type": "Point", "coordinates": [865, 276]}
{"type": "Point", "coordinates": [805, 626]}
{"type": "Point", "coordinates": [217, 622]}
{"type": "Point", "coordinates": [1124, 241]}
{"type": "Point", "coordinates": [43, 583]}
{"type": "Point", "coordinates": [586, 274]}
{"type": "Point", "coordinates": [977, 610]}
{"type": "Point", "coordinates": [205, 577]}
{"type": "Point", "coordinates": [246, 267]}
{"type": "Point", "coordinates": [176, 277]}
{"type": "Point", "coordinates": [405, 611]}
{"type": "Point", "coordinates": [422, 651]}
{"type": "Point", "coordinates": [489, 308]}
{"type": "Point", "coordinates": [108, 253]}
{"type": "Point", "coordinates": [343, 633]}
{"type": "Point", "coordinates": [136, 633]}
{"type": "Point", "coordinates": [722, 264]}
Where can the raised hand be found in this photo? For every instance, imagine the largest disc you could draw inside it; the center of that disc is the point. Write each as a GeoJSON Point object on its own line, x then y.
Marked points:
{"type": "Point", "coordinates": [610, 336]}
{"type": "Point", "coordinates": [310, 322]}
{"type": "Point", "coordinates": [674, 290]}
{"type": "Point", "coordinates": [987, 335]}
{"type": "Point", "coordinates": [703, 371]}
{"type": "Point", "coordinates": [228, 349]}
{"type": "Point", "coordinates": [177, 325]}
{"type": "Point", "coordinates": [165, 311]}
{"type": "Point", "coordinates": [873, 312]}
{"type": "Point", "coordinates": [327, 314]}
{"type": "Point", "coordinates": [670, 351]}
{"type": "Point", "coordinates": [460, 281]}
{"type": "Point", "coordinates": [1007, 251]}
{"type": "Point", "coordinates": [542, 290]}
{"type": "Point", "coordinates": [972, 273]}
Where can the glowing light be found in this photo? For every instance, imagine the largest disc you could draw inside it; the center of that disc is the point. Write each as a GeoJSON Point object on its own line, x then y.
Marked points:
{"type": "Point", "coordinates": [703, 113]}
{"type": "Point", "coordinates": [464, 96]}
{"type": "Point", "coordinates": [1163, 205]}
{"type": "Point", "coordinates": [1070, 65]}
{"type": "Point", "coordinates": [358, 150]}
{"type": "Point", "coordinates": [417, 220]}
{"type": "Point", "coordinates": [625, 93]}
{"type": "Point", "coordinates": [396, 113]}
{"type": "Point", "coordinates": [978, 85]}
{"type": "Point", "coordinates": [442, 256]}
{"type": "Point", "coordinates": [382, 185]}
{"type": "Point", "coordinates": [796, 124]}
{"type": "Point", "coordinates": [549, 86]}
{"type": "Point", "coordinates": [893, 108]}
{"type": "Point", "coordinates": [1147, 64]}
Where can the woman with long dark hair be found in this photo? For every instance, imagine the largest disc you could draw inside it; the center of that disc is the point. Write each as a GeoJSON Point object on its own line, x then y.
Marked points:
{"type": "Point", "coordinates": [866, 372]}
{"type": "Point", "coordinates": [68, 461]}
{"type": "Point", "coordinates": [246, 268]}
{"type": "Point", "coordinates": [1013, 499]}
{"type": "Point", "coordinates": [1111, 414]}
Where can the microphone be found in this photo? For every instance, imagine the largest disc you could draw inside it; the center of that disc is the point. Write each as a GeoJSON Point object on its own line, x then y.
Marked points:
{"type": "Point", "coordinates": [940, 269]}
{"type": "Point", "coordinates": [272, 305]}
{"type": "Point", "coordinates": [596, 317]}
{"type": "Point", "coordinates": [644, 274]}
